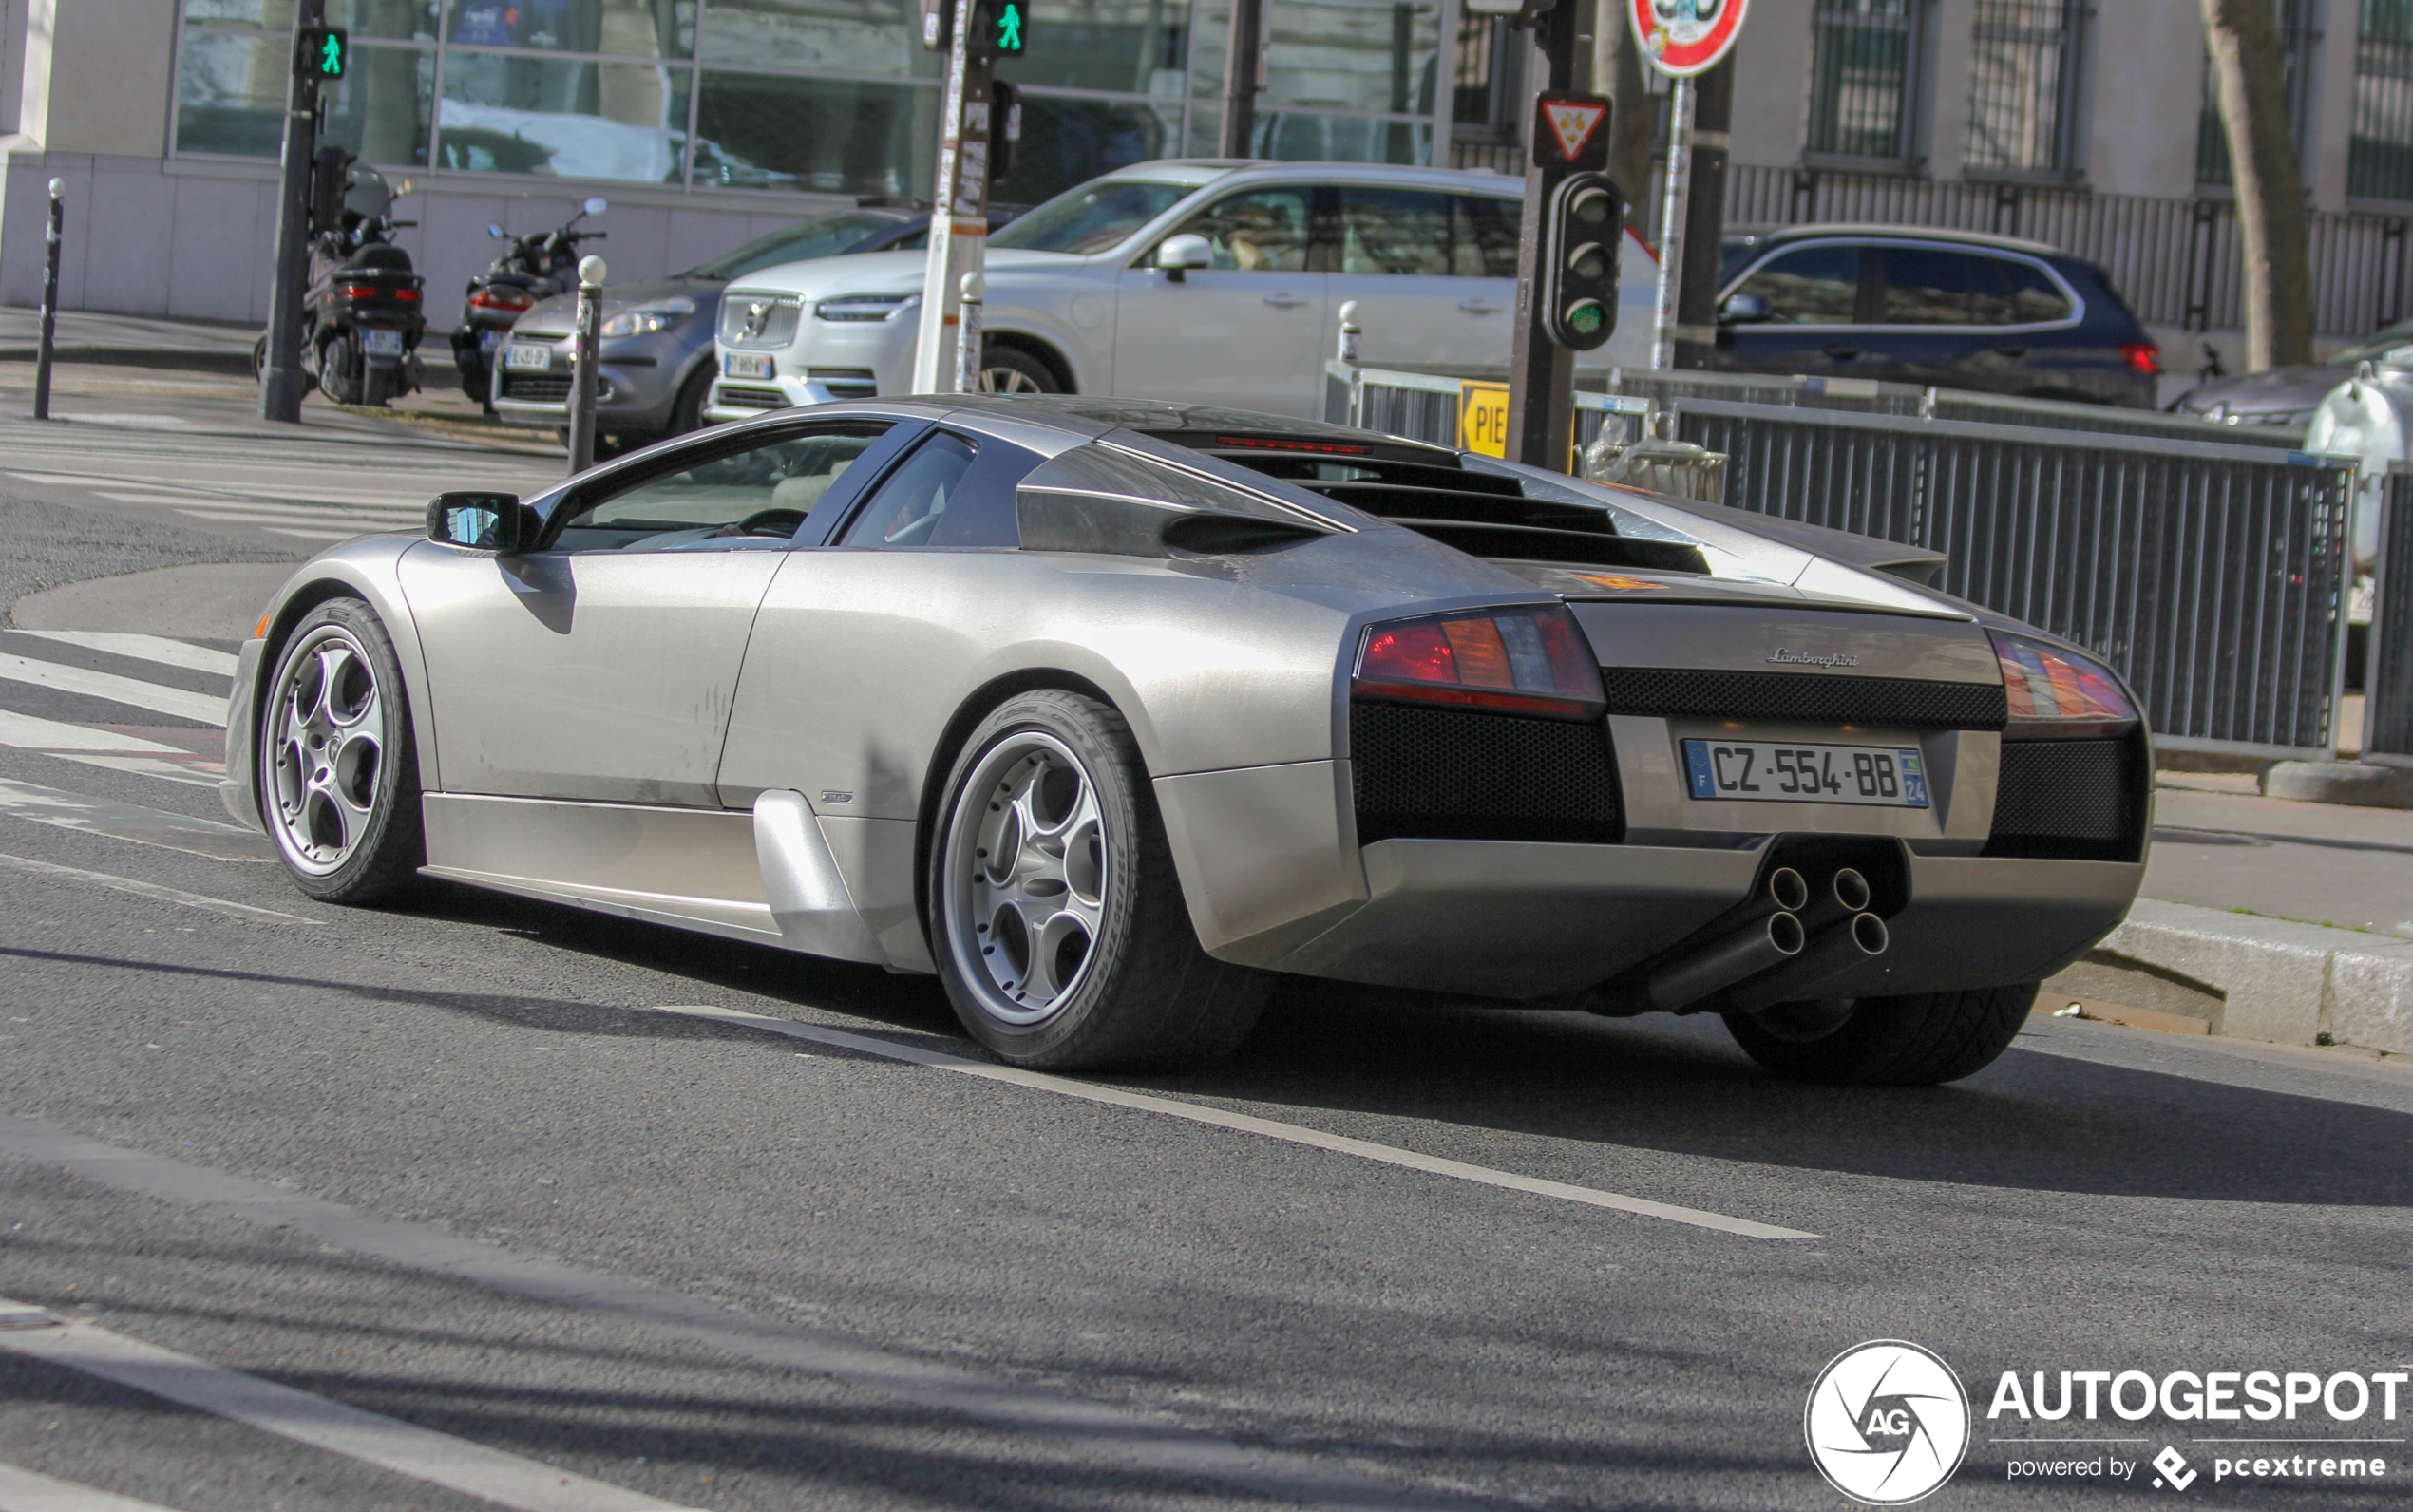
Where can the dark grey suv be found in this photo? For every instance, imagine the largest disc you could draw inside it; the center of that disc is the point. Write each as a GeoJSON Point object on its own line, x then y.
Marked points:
{"type": "Point", "coordinates": [1956, 310]}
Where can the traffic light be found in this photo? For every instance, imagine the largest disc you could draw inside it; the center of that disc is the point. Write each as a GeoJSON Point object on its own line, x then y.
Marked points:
{"type": "Point", "coordinates": [323, 54]}
{"type": "Point", "coordinates": [1579, 260]}
{"type": "Point", "coordinates": [1010, 24]}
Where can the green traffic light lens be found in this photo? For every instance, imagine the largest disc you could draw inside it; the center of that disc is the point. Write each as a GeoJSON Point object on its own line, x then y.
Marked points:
{"type": "Point", "coordinates": [1585, 317]}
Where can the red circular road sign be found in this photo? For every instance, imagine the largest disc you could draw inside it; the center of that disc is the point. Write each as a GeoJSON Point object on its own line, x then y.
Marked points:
{"type": "Point", "coordinates": [1686, 36]}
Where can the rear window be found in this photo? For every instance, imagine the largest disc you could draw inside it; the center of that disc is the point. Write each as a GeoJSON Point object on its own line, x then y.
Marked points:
{"type": "Point", "coordinates": [2014, 292]}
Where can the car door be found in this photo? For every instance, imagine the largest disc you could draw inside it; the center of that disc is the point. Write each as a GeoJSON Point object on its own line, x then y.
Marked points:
{"type": "Point", "coordinates": [1811, 321]}
{"type": "Point", "coordinates": [1248, 332]}
{"type": "Point", "coordinates": [1924, 325]}
{"type": "Point", "coordinates": [1434, 275]}
{"type": "Point", "coordinates": [602, 665]}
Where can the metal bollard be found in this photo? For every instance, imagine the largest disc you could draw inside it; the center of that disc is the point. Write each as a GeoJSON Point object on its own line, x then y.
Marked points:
{"type": "Point", "coordinates": [583, 361]}
{"type": "Point", "coordinates": [967, 337]}
{"type": "Point", "coordinates": [50, 301]}
{"type": "Point", "coordinates": [1350, 331]}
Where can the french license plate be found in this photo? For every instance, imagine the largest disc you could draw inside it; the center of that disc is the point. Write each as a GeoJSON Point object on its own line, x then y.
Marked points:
{"type": "Point", "coordinates": [490, 338]}
{"type": "Point", "coordinates": [1774, 772]}
{"type": "Point", "coordinates": [748, 365]}
{"type": "Point", "coordinates": [536, 359]}
{"type": "Point", "coordinates": [380, 343]}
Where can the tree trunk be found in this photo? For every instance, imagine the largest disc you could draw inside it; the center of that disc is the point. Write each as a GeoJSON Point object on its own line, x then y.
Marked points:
{"type": "Point", "coordinates": [2249, 71]}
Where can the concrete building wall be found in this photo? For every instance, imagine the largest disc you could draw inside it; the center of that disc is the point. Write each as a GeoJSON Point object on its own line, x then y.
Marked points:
{"type": "Point", "coordinates": [1772, 85]}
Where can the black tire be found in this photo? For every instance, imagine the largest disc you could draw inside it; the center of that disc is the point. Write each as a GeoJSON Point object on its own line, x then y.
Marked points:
{"type": "Point", "coordinates": [687, 413]}
{"type": "Point", "coordinates": [336, 360]}
{"type": "Point", "coordinates": [345, 834]}
{"type": "Point", "coordinates": [1917, 1040]}
{"type": "Point", "coordinates": [1138, 991]}
{"type": "Point", "coordinates": [259, 358]}
{"type": "Point", "coordinates": [1012, 371]}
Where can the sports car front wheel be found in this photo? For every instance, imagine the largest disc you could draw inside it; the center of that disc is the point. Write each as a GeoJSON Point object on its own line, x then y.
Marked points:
{"type": "Point", "coordinates": [1063, 940]}
{"type": "Point", "coordinates": [1915, 1041]}
{"type": "Point", "coordinates": [338, 774]}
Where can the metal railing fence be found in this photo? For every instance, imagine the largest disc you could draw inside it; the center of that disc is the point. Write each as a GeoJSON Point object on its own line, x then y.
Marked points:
{"type": "Point", "coordinates": [2214, 576]}
{"type": "Point", "coordinates": [2388, 667]}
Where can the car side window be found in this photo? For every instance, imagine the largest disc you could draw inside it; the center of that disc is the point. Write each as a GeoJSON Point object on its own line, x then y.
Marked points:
{"type": "Point", "coordinates": [950, 490]}
{"type": "Point", "coordinates": [762, 491]}
{"type": "Point", "coordinates": [1394, 231]}
{"type": "Point", "coordinates": [1483, 237]}
{"type": "Point", "coordinates": [1809, 286]}
{"type": "Point", "coordinates": [2012, 291]}
{"type": "Point", "coordinates": [1264, 232]}
{"type": "Point", "coordinates": [1924, 286]}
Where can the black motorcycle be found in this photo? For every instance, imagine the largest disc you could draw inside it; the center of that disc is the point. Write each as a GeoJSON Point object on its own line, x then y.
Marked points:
{"type": "Point", "coordinates": [530, 269]}
{"type": "Point", "coordinates": [365, 308]}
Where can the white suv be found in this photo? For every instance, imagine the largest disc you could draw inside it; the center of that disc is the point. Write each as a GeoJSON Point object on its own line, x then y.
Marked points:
{"type": "Point", "coordinates": [1077, 302]}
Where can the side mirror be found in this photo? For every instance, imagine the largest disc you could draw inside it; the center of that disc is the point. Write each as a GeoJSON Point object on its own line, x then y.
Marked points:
{"type": "Point", "coordinates": [1742, 310]}
{"type": "Point", "coordinates": [494, 229]}
{"type": "Point", "coordinates": [481, 521]}
{"type": "Point", "coordinates": [1176, 255]}
{"type": "Point", "coordinates": [597, 204]}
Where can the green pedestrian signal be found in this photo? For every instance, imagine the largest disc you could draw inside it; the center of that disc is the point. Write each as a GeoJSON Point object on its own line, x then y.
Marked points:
{"type": "Point", "coordinates": [325, 52]}
{"type": "Point", "coordinates": [1013, 17]}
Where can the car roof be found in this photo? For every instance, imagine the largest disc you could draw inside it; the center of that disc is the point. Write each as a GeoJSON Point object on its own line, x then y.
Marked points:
{"type": "Point", "coordinates": [1771, 234]}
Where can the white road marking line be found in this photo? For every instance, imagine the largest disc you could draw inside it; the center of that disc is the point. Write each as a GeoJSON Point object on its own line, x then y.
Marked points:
{"type": "Point", "coordinates": [23, 1490]}
{"type": "Point", "coordinates": [62, 809]}
{"type": "Point", "coordinates": [145, 647]}
{"type": "Point", "coordinates": [205, 709]}
{"type": "Point", "coordinates": [297, 515]}
{"type": "Point", "coordinates": [190, 774]}
{"type": "Point", "coordinates": [439, 1459]}
{"type": "Point", "coordinates": [152, 889]}
{"type": "Point", "coordinates": [35, 733]}
{"type": "Point", "coordinates": [1244, 1123]}
{"type": "Point", "coordinates": [335, 525]}
{"type": "Point", "coordinates": [317, 535]}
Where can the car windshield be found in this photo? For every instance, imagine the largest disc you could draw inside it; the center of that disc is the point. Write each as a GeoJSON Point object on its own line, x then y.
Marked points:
{"type": "Point", "coordinates": [821, 237]}
{"type": "Point", "coordinates": [2382, 341]}
{"type": "Point", "coordinates": [1092, 217]}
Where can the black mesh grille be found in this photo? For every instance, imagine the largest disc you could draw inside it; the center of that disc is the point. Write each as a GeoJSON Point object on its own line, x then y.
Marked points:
{"type": "Point", "coordinates": [1449, 774]}
{"type": "Point", "coordinates": [1810, 697]}
{"type": "Point", "coordinates": [529, 388]}
{"type": "Point", "coordinates": [2077, 799]}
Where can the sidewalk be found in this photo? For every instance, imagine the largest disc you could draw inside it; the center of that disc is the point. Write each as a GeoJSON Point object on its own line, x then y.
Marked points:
{"type": "Point", "coordinates": [138, 341]}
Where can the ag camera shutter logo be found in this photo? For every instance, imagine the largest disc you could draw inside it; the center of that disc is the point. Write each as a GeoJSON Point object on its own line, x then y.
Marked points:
{"type": "Point", "coordinates": [1888, 1423]}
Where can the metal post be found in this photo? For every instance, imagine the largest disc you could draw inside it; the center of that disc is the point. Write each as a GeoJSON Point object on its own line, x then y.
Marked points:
{"type": "Point", "coordinates": [1243, 75]}
{"type": "Point", "coordinates": [282, 383]}
{"type": "Point", "coordinates": [959, 206]}
{"type": "Point", "coordinates": [49, 300]}
{"type": "Point", "coordinates": [1346, 349]}
{"type": "Point", "coordinates": [1671, 225]}
{"type": "Point", "coordinates": [967, 340]}
{"type": "Point", "coordinates": [1704, 218]}
{"type": "Point", "coordinates": [591, 272]}
{"type": "Point", "coordinates": [1541, 422]}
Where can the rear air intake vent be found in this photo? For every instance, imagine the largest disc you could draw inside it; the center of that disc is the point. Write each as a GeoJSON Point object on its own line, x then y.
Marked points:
{"type": "Point", "coordinates": [1452, 774]}
{"type": "Point", "coordinates": [1818, 698]}
{"type": "Point", "coordinates": [2071, 800]}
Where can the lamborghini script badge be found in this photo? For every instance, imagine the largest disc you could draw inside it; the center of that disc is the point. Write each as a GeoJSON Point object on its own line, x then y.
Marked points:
{"type": "Point", "coordinates": [1803, 658]}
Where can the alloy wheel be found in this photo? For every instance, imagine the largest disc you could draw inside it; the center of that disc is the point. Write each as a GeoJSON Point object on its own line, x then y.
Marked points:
{"type": "Point", "coordinates": [1003, 380]}
{"type": "Point", "coordinates": [1026, 877]}
{"type": "Point", "coordinates": [325, 750]}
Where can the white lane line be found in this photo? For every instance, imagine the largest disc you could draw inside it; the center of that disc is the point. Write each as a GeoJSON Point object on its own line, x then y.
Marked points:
{"type": "Point", "coordinates": [33, 733]}
{"type": "Point", "coordinates": [1244, 1123]}
{"type": "Point", "coordinates": [23, 1490]}
{"type": "Point", "coordinates": [151, 890]}
{"type": "Point", "coordinates": [439, 1459]}
{"type": "Point", "coordinates": [145, 647]}
{"type": "Point", "coordinates": [296, 517]}
{"type": "Point", "coordinates": [190, 774]}
{"type": "Point", "coordinates": [62, 809]}
{"type": "Point", "coordinates": [205, 709]}
{"type": "Point", "coordinates": [317, 535]}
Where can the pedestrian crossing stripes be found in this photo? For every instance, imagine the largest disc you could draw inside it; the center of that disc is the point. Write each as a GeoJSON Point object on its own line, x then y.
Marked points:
{"type": "Point", "coordinates": [201, 708]}
{"type": "Point", "coordinates": [117, 749]}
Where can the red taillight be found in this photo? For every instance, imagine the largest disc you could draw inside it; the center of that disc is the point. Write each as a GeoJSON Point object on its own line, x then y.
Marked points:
{"type": "Point", "coordinates": [1526, 661]}
{"type": "Point", "coordinates": [502, 300]}
{"type": "Point", "coordinates": [2143, 357]}
{"type": "Point", "coordinates": [407, 295]}
{"type": "Point", "coordinates": [2049, 686]}
{"type": "Point", "coordinates": [358, 290]}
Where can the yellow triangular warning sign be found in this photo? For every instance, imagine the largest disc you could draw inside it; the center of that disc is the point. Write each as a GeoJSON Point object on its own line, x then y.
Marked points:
{"type": "Point", "coordinates": [1573, 122]}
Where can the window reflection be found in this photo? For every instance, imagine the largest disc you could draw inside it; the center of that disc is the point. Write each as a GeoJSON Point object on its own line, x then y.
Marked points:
{"type": "Point", "coordinates": [1353, 55]}
{"type": "Point", "coordinates": [231, 99]}
{"type": "Point", "coordinates": [761, 131]}
{"type": "Point", "coordinates": [876, 37]}
{"type": "Point", "coordinates": [1122, 47]}
{"type": "Point", "coordinates": [503, 114]}
{"type": "Point", "coordinates": [632, 28]}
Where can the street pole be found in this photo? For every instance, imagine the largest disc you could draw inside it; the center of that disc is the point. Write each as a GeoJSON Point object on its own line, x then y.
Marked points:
{"type": "Point", "coordinates": [960, 203]}
{"type": "Point", "coordinates": [1243, 75]}
{"type": "Point", "coordinates": [1541, 423]}
{"type": "Point", "coordinates": [1671, 225]}
{"type": "Point", "coordinates": [1696, 329]}
{"type": "Point", "coordinates": [282, 381]}
{"type": "Point", "coordinates": [49, 300]}
{"type": "Point", "coordinates": [967, 345]}
{"type": "Point", "coordinates": [583, 344]}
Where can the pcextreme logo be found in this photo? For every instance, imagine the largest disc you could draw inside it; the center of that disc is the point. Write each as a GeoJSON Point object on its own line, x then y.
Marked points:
{"type": "Point", "coordinates": [1887, 1422]}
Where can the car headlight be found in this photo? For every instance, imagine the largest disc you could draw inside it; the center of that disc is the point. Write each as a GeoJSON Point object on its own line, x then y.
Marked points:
{"type": "Point", "coordinates": [2048, 685]}
{"type": "Point", "coordinates": [647, 321]}
{"type": "Point", "coordinates": [855, 308]}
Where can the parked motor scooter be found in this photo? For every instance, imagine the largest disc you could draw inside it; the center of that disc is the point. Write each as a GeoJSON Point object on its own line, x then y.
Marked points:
{"type": "Point", "coordinates": [365, 307]}
{"type": "Point", "coordinates": [530, 269]}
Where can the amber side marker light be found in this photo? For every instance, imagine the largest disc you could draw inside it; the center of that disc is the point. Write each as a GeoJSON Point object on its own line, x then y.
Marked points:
{"type": "Point", "coordinates": [1529, 660]}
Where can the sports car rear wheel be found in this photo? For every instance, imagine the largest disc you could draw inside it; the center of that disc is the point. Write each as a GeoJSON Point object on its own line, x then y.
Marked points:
{"type": "Point", "coordinates": [338, 774]}
{"type": "Point", "coordinates": [1915, 1041]}
{"type": "Point", "coordinates": [1062, 936]}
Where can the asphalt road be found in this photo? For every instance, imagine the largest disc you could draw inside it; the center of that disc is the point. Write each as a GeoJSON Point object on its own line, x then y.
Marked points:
{"type": "Point", "coordinates": [475, 1201]}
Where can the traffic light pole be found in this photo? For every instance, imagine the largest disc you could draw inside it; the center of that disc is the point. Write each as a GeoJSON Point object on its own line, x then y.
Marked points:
{"type": "Point", "coordinates": [960, 200]}
{"type": "Point", "coordinates": [1696, 329]}
{"type": "Point", "coordinates": [1541, 372]}
{"type": "Point", "coordinates": [1671, 225]}
{"type": "Point", "coordinates": [282, 383]}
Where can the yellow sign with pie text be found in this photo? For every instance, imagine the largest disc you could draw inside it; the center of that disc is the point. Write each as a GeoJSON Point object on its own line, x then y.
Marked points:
{"type": "Point", "coordinates": [1483, 418]}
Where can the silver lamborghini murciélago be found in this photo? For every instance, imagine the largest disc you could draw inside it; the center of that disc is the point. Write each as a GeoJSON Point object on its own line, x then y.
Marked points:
{"type": "Point", "coordinates": [1106, 712]}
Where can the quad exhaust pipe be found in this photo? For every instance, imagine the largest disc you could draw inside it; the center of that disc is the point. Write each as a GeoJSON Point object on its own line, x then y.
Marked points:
{"type": "Point", "coordinates": [1774, 955]}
